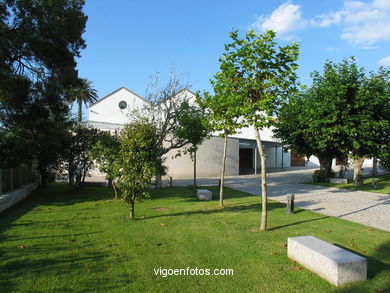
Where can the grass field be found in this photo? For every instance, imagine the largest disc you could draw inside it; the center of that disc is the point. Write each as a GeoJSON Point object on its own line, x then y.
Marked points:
{"type": "Point", "coordinates": [60, 240]}
{"type": "Point", "coordinates": [382, 187]}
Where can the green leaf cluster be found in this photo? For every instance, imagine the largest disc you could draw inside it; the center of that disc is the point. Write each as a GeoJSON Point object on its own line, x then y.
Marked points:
{"type": "Point", "coordinates": [137, 159]}
{"type": "Point", "coordinates": [345, 111]}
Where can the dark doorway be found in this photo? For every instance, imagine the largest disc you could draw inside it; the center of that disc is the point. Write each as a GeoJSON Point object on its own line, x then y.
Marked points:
{"type": "Point", "coordinates": [245, 159]}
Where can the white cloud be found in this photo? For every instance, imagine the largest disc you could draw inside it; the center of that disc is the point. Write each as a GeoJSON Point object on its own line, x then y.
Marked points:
{"type": "Point", "coordinates": [362, 24]}
{"type": "Point", "coordinates": [285, 20]}
{"type": "Point", "coordinates": [385, 61]}
{"type": "Point", "coordinates": [382, 4]}
{"type": "Point", "coordinates": [327, 19]}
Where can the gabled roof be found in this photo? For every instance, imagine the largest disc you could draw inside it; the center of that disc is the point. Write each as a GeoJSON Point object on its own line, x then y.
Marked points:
{"type": "Point", "coordinates": [124, 88]}
{"type": "Point", "coordinates": [114, 92]}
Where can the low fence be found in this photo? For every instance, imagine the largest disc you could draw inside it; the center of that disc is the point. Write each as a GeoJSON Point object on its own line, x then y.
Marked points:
{"type": "Point", "coordinates": [13, 178]}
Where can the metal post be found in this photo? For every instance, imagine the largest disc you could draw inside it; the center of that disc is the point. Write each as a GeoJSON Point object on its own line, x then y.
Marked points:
{"type": "Point", "coordinates": [282, 158]}
{"type": "Point", "coordinates": [290, 203]}
{"type": "Point", "coordinates": [170, 182]}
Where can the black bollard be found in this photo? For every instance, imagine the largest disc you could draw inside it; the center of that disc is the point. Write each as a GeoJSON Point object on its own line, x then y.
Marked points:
{"type": "Point", "coordinates": [219, 184]}
{"type": "Point", "coordinates": [290, 204]}
{"type": "Point", "coordinates": [170, 181]}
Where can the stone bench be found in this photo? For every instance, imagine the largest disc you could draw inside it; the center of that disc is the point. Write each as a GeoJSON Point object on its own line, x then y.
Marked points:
{"type": "Point", "coordinates": [12, 197]}
{"type": "Point", "coordinates": [204, 194]}
{"type": "Point", "coordinates": [334, 264]}
{"type": "Point", "coordinates": [338, 180]}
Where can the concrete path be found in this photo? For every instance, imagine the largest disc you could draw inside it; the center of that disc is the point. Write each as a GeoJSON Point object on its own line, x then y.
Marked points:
{"type": "Point", "coordinates": [367, 208]}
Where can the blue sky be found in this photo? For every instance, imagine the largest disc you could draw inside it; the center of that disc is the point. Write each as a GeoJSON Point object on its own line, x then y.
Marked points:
{"type": "Point", "coordinates": [127, 41]}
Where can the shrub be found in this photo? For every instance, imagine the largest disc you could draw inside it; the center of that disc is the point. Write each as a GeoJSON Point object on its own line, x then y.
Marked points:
{"type": "Point", "coordinates": [320, 175]}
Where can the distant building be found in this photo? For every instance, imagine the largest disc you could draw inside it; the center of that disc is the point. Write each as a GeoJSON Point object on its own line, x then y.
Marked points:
{"type": "Point", "coordinates": [112, 112]}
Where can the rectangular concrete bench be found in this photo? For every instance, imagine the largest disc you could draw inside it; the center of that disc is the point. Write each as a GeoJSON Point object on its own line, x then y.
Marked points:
{"type": "Point", "coordinates": [12, 197]}
{"type": "Point", "coordinates": [334, 264]}
{"type": "Point", "coordinates": [338, 180]}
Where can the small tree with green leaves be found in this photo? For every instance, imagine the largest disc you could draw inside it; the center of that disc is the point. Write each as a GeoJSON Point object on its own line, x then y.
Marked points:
{"type": "Point", "coordinates": [77, 157]}
{"type": "Point", "coordinates": [192, 126]}
{"type": "Point", "coordinates": [105, 154]}
{"type": "Point", "coordinates": [137, 161]}
{"type": "Point", "coordinates": [262, 76]}
{"type": "Point", "coordinates": [221, 117]}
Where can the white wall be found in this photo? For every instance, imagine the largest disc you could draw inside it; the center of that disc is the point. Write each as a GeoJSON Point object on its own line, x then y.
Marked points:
{"type": "Point", "coordinates": [107, 109]}
{"type": "Point", "coordinates": [248, 133]}
{"type": "Point", "coordinates": [313, 161]}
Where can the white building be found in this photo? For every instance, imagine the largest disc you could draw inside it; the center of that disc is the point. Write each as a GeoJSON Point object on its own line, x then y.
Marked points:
{"type": "Point", "coordinates": [112, 112]}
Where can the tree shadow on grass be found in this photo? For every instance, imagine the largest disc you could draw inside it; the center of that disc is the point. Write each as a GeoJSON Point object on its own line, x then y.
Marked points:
{"type": "Point", "coordinates": [234, 208]}
{"type": "Point", "coordinates": [46, 260]}
{"type": "Point", "coordinates": [190, 194]}
{"type": "Point", "coordinates": [377, 269]}
{"type": "Point", "coordinates": [297, 223]}
{"type": "Point", "coordinates": [57, 194]}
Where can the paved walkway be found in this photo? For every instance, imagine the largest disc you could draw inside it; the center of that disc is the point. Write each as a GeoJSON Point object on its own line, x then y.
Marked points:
{"type": "Point", "coordinates": [367, 208]}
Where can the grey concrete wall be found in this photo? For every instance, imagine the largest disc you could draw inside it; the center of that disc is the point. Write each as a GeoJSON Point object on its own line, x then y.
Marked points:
{"type": "Point", "coordinates": [275, 158]}
{"type": "Point", "coordinates": [10, 198]}
{"type": "Point", "coordinates": [209, 160]}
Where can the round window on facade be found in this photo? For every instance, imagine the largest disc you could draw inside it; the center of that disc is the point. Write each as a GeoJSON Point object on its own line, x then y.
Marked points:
{"type": "Point", "coordinates": [122, 105]}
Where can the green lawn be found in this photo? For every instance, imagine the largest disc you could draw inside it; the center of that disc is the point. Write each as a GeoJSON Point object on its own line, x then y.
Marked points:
{"type": "Point", "coordinates": [383, 185]}
{"type": "Point", "coordinates": [64, 241]}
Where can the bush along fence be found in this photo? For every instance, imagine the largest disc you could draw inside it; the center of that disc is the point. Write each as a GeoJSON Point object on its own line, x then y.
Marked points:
{"type": "Point", "coordinates": [13, 178]}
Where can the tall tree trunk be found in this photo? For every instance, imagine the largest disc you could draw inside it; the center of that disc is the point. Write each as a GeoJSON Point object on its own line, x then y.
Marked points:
{"type": "Point", "coordinates": [223, 170]}
{"type": "Point", "coordinates": [132, 209]}
{"type": "Point", "coordinates": [357, 171]}
{"type": "Point", "coordinates": [158, 173]}
{"type": "Point", "coordinates": [374, 166]}
{"type": "Point", "coordinates": [326, 165]}
{"type": "Point", "coordinates": [80, 118]}
{"type": "Point", "coordinates": [43, 174]}
{"type": "Point", "coordinates": [71, 173]}
{"type": "Point", "coordinates": [195, 170]}
{"type": "Point", "coordinates": [263, 225]}
{"type": "Point", "coordinates": [114, 187]}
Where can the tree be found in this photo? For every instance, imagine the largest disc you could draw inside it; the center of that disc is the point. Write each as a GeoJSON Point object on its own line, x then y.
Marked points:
{"type": "Point", "coordinates": [163, 111]}
{"type": "Point", "coordinates": [344, 113]}
{"type": "Point", "coordinates": [137, 160]}
{"type": "Point", "coordinates": [77, 156]}
{"type": "Point", "coordinates": [262, 77]}
{"type": "Point", "coordinates": [39, 43]}
{"type": "Point", "coordinates": [40, 38]}
{"type": "Point", "coordinates": [38, 123]}
{"type": "Point", "coordinates": [105, 153]}
{"type": "Point", "coordinates": [192, 125]}
{"type": "Point", "coordinates": [83, 92]}
{"type": "Point", "coordinates": [300, 126]}
{"type": "Point", "coordinates": [221, 118]}
{"type": "Point", "coordinates": [368, 120]}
